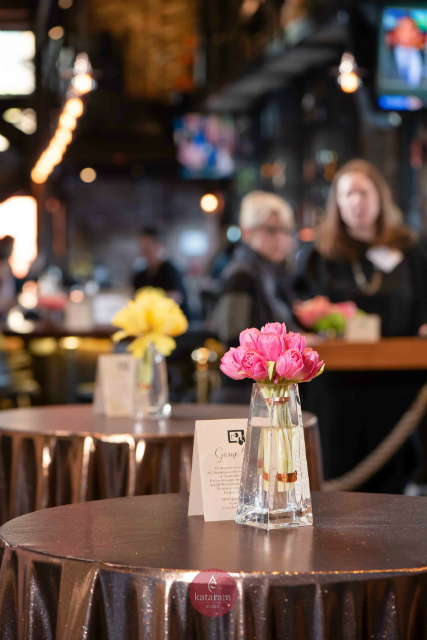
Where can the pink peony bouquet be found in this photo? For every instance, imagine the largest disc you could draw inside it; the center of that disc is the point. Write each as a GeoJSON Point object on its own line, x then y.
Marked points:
{"type": "Point", "coordinates": [272, 356]}
{"type": "Point", "coordinates": [321, 315]}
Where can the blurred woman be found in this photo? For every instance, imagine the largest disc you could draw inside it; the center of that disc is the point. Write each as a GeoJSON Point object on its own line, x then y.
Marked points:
{"type": "Point", "coordinates": [364, 253]}
{"type": "Point", "coordinates": [7, 279]}
{"type": "Point", "coordinates": [256, 283]}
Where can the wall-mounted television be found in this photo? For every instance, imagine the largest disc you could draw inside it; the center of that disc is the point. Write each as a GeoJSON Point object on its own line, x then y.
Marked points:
{"type": "Point", "coordinates": [206, 145]}
{"type": "Point", "coordinates": [402, 58]}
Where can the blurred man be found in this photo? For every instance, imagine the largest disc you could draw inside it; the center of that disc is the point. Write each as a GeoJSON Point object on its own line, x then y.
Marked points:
{"type": "Point", "coordinates": [407, 42]}
{"type": "Point", "coordinates": [158, 271]}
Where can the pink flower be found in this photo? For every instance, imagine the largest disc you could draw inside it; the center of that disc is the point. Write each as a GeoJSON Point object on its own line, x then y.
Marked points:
{"type": "Point", "coordinates": [275, 327]}
{"type": "Point", "coordinates": [289, 364]}
{"type": "Point", "coordinates": [348, 309]}
{"type": "Point", "coordinates": [295, 341]}
{"type": "Point", "coordinates": [271, 345]}
{"type": "Point", "coordinates": [255, 365]}
{"type": "Point", "coordinates": [249, 338]}
{"type": "Point", "coordinates": [231, 363]}
{"type": "Point", "coordinates": [312, 367]}
{"type": "Point", "coordinates": [310, 311]}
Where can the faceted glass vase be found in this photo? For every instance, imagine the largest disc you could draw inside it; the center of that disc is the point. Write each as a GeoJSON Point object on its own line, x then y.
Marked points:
{"type": "Point", "coordinates": [151, 392]}
{"type": "Point", "coordinates": [275, 489]}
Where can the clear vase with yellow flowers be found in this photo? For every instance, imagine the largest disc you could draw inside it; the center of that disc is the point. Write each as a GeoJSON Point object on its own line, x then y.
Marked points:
{"type": "Point", "coordinates": [153, 320]}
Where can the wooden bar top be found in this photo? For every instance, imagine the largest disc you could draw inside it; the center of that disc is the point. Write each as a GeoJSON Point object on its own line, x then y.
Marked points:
{"type": "Point", "coordinates": [388, 354]}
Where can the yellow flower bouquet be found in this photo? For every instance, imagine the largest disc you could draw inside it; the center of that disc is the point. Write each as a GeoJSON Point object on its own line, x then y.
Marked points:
{"type": "Point", "coordinates": [153, 320]}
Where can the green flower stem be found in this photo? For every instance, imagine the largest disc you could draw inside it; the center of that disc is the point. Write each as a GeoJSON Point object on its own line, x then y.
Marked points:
{"type": "Point", "coordinates": [146, 370]}
{"type": "Point", "coordinates": [285, 434]}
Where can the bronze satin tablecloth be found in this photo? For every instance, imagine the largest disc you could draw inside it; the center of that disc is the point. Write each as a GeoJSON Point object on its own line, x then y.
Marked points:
{"type": "Point", "coordinates": [51, 456]}
{"type": "Point", "coordinates": [120, 570]}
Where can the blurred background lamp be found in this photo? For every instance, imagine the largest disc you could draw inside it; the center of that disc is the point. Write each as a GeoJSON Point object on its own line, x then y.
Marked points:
{"type": "Point", "coordinates": [12, 115]}
{"type": "Point", "coordinates": [88, 174]}
{"type": "Point", "coordinates": [349, 82]}
{"type": "Point", "coordinates": [4, 144]}
{"type": "Point", "coordinates": [70, 342]}
{"type": "Point", "coordinates": [209, 203]}
{"type": "Point", "coordinates": [233, 234]}
{"type": "Point", "coordinates": [82, 83]}
{"type": "Point", "coordinates": [17, 72]}
{"type": "Point", "coordinates": [67, 121]}
{"type": "Point", "coordinates": [56, 33]}
{"type": "Point", "coordinates": [18, 218]}
{"type": "Point", "coordinates": [23, 119]}
{"type": "Point", "coordinates": [65, 4]}
{"type": "Point", "coordinates": [77, 295]}
{"type": "Point", "coordinates": [74, 107]}
{"type": "Point", "coordinates": [193, 243]}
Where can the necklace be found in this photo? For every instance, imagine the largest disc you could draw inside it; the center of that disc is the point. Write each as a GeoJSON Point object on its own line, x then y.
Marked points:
{"type": "Point", "coordinates": [369, 288]}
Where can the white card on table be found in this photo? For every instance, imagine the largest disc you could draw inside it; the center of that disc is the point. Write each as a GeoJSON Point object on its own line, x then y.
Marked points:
{"type": "Point", "coordinates": [115, 385]}
{"type": "Point", "coordinates": [219, 447]}
{"type": "Point", "coordinates": [78, 316]}
{"type": "Point", "coordinates": [363, 328]}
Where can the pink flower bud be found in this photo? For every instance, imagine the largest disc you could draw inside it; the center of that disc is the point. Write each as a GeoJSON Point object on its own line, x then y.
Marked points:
{"type": "Point", "coordinates": [311, 368]}
{"type": "Point", "coordinates": [289, 364]}
{"type": "Point", "coordinates": [255, 365]}
{"type": "Point", "coordinates": [231, 363]}
{"type": "Point", "coordinates": [275, 327]}
{"type": "Point", "coordinates": [271, 345]}
{"type": "Point", "coordinates": [295, 341]}
{"type": "Point", "coordinates": [249, 338]}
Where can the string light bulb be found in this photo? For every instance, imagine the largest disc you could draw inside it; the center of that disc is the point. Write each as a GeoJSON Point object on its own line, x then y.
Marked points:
{"type": "Point", "coordinates": [82, 83]}
{"type": "Point", "coordinates": [74, 107]}
{"type": "Point", "coordinates": [88, 174]}
{"type": "Point", "coordinates": [56, 33]}
{"type": "Point", "coordinates": [67, 121]}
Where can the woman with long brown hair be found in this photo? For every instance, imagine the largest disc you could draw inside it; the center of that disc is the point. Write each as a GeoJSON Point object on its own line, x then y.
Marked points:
{"type": "Point", "coordinates": [364, 253]}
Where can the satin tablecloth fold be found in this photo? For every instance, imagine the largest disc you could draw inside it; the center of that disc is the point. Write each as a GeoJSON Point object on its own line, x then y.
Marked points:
{"type": "Point", "coordinates": [51, 456]}
{"type": "Point", "coordinates": [121, 569]}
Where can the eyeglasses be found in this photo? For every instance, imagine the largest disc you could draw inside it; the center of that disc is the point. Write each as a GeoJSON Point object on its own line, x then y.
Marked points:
{"type": "Point", "coordinates": [275, 231]}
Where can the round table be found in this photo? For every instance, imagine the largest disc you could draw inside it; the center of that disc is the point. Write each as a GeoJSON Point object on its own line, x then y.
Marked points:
{"type": "Point", "coordinates": [121, 568]}
{"type": "Point", "coordinates": [51, 456]}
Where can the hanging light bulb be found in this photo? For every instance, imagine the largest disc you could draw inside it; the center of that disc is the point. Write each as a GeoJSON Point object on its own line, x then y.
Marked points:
{"type": "Point", "coordinates": [348, 78]}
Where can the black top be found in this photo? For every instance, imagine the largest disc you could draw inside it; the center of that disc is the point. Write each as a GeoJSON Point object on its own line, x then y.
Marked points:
{"type": "Point", "coordinates": [401, 300]}
{"type": "Point", "coordinates": [268, 284]}
{"type": "Point", "coordinates": [166, 277]}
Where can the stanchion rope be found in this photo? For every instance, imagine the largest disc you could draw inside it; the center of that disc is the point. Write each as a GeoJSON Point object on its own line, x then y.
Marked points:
{"type": "Point", "coordinates": [375, 460]}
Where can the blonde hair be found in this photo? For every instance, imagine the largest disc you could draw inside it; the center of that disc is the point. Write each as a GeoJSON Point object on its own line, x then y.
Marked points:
{"type": "Point", "coordinates": [333, 241]}
{"type": "Point", "coordinates": [257, 206]}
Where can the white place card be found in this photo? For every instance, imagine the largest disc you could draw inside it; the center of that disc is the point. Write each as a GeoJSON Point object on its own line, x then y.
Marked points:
{"type": "Point", "coordinates": [363, 328]}
{"type": "Point", "coordinates": [219, 447]}
{"type": "Point", "coordinates": [78, 316]}
{"type": "Point", "coordinates": [115, 385]}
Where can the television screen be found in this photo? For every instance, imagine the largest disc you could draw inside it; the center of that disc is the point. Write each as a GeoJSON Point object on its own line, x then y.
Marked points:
{"type": "Point", "coordinates": [205, 145]}
{"type": "Point", "coordinates": [402, 58]}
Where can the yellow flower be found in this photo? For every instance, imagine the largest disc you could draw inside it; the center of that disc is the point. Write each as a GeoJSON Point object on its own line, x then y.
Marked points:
{"type": "Point", "coordinates": [153, 318]}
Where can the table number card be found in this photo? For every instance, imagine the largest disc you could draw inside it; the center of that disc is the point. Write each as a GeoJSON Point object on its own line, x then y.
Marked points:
{"type": "Point", "coordinates": [115, 385]}
{"type": "Point", "coordinates": [363, 328]}
{"type": "Point", "coordinates": [219, 447]}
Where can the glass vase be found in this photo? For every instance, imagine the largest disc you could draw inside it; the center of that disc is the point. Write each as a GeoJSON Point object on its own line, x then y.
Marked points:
{"type": "Point", "coordinates": [151, 393]}
{"type": "Point", "coordinates": [275, 489]}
